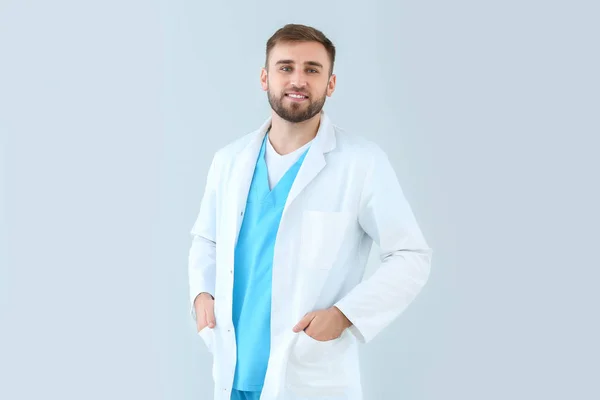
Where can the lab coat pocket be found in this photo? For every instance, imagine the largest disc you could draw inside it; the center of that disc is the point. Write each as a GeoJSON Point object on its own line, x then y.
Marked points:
{"type": "Point", "coordinates": [317, 368]}
{"type": "Point", "coordinates": [323, 234]}
{"type": "Point", "coordinates": [207, 335]}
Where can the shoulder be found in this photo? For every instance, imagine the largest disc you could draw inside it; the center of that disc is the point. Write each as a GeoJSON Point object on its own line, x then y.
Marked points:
{"type": "Point", "coordinates": [358, 148]}
{"type": "Point", "coordinates": [228, 153]}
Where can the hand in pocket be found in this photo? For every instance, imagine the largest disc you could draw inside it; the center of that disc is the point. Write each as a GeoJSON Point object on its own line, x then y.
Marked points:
{"type": "Point", "coordinates": [204, 305]}
{"type": "Point", "coordinates": [323, 325]}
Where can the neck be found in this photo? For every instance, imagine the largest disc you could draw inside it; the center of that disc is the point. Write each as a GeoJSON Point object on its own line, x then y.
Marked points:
{"type": "Point", "coordinates": [286, 136]}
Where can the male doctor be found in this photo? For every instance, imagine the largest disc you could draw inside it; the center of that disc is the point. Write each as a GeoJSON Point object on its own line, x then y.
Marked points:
{"type": "Point", "coordinates": [281, 242]}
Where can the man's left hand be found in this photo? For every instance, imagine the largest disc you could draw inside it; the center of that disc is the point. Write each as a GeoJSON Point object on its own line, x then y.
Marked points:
{"type": "Point", "coordinates": [323, 325]}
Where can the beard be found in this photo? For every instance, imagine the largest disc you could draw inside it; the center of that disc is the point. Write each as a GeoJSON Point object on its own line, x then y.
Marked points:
{"type": "Point", "coordinates": [296, 112]}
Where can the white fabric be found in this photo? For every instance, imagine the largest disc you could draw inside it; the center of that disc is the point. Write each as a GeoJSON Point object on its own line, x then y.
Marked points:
{"type": "Point", "coordinates": [277, 164]}
{"type": "Point", "coordinates": [345, 197]}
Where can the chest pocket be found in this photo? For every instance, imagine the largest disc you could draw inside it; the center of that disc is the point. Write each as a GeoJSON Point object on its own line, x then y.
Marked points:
{"type": "Point", "coordinates": [322, 237]}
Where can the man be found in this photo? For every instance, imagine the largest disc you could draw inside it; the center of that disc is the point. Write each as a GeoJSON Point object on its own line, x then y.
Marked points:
{"type": "Point", "coordinates": [281, 242]}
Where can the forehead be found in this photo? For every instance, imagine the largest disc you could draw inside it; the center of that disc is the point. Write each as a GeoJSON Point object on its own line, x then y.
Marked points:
{"type": "Point", "coordinates": [299, 52]}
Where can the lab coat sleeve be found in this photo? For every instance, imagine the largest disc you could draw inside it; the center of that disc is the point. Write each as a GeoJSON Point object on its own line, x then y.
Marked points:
{"type": "Point", "coordinates": [202, 254]}
{"type": "Point", "coordinates": [386, 216]}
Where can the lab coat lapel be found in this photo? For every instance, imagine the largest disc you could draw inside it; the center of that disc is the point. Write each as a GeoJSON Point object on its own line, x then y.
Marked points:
{"type": "Point", "coordinates": [314, 161]}
{"type": "Point", "coordinates": [243, 168]}
{"type": "Point", "coordinates": [242, 173]}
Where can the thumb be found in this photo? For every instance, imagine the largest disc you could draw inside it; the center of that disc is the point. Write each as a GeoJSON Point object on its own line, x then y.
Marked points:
{"type": "Point", "coordinates": [210, 316]}
{"type": "Point", "coordinates": [304, 322]}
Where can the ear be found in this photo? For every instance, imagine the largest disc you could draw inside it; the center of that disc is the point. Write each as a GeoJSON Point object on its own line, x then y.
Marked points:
{"type": "Point", "coordinates": [331, 85]}
{"type": "Point", "coordinates": [264, 81]}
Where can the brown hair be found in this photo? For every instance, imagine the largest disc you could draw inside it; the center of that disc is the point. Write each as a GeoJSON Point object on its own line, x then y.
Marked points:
{"type": "Point", "coordinates": [300, 33]}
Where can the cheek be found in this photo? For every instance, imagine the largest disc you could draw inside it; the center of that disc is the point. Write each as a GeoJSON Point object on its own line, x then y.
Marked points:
{"type": "Point", "coordinates": [324, 85]}
{"type": "Point", "coordinates": [274, 86]}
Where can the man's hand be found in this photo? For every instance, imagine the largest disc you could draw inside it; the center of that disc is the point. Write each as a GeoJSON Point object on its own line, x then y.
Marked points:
{"type": "Point", "coordinates": [204, 305]}
{"type": "Point", "coordinates": [323, 325]}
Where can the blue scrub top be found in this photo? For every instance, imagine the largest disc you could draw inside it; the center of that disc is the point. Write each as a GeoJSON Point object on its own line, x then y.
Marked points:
{"type": "Point", "coordinates": [253, 271]}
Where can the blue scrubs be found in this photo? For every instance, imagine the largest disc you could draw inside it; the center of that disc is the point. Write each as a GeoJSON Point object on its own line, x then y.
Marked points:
{"type": "Point", "coordinates": [252, 274]}
{"type": "Point", "coordinates": [239, 395]}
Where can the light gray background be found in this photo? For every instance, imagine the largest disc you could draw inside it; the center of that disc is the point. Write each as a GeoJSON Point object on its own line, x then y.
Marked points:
{"type": "Point", "coordinates": [110, 112]}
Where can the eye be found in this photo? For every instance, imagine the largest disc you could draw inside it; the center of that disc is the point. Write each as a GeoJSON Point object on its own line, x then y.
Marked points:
{"type": "Point", "coordinates": [313, 71]}
{"type": "Point", "coordinates": [285, 68]}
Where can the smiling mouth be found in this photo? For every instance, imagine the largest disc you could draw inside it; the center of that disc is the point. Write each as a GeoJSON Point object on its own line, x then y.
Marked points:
{"type": "Point", "coordinates": [295, 96]}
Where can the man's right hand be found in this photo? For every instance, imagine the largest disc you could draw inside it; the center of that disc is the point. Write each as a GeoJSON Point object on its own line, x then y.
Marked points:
{"type": "Point", "coordinates": [204, 305]}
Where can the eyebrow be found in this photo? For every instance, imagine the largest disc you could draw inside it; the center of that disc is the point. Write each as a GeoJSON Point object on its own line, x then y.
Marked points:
{"type": "Point", "coordinates": [313, 63]}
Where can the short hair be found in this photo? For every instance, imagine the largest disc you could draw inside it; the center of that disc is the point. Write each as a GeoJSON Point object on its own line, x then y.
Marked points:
{"type": "Point", "coordinates": [300, 33]}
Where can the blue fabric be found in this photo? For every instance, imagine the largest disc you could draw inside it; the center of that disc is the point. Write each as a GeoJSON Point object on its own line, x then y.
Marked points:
{"type": "Point", "coordinates": [239, 395]}
{"type": "Point", "coordinates": [253, 271]}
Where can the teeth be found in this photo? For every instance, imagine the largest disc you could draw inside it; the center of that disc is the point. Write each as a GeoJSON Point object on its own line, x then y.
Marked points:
{"type": "Point", "coordinates": [296, 96]}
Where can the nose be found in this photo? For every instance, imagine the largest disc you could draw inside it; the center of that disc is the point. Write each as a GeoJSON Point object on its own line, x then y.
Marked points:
{"type": "Point", "coordinates": [298, 78]}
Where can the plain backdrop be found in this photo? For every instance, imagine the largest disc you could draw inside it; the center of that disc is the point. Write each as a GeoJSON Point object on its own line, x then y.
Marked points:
{"type": "Point", "coordinates": [110, 112]}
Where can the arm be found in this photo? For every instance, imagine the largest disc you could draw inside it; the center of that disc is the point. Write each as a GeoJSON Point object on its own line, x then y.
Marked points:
{"type": "Point", "coordinates": [386, 216]}
{"type": "Point", "coordinates": [202, 254]}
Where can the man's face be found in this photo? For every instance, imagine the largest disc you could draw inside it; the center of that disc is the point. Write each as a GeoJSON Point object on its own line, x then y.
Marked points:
{"type": "Point", "coordinates": [297, 80]}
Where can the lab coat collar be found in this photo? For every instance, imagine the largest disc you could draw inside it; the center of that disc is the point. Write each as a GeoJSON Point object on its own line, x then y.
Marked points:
{"type": "Point", "coordinates": [324, 140]}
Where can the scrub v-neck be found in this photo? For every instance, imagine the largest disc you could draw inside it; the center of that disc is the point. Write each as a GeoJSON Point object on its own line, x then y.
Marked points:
{"type": "Point", "coordinates": [260, 189]}
{"type": "Point", "coordinates": [278, 164]}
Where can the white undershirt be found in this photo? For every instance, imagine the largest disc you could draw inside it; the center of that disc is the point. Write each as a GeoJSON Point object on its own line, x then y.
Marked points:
{"type": "Point", "coordinates": [277, 165]}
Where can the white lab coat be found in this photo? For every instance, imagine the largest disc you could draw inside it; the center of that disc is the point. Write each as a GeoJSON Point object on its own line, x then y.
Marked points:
{"type": "Point", "coordinates": [345, 196]}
